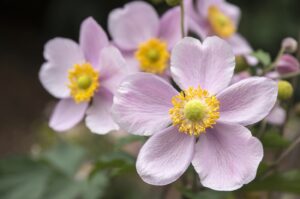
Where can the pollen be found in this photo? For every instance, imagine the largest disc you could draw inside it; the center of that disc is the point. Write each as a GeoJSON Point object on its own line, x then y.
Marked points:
{"type": "Point", "coordinates": [194, 110]}
{"type": "Point", "coordinates": [83, 82]}
{"type": "Point", "coordinates": [153, 56]}
{"type": "Point", "coordinates": [221, 24]}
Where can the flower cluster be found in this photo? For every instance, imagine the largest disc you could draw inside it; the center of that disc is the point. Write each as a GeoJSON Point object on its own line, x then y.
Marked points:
{"type": "Point", "coordinates": [183, 93]}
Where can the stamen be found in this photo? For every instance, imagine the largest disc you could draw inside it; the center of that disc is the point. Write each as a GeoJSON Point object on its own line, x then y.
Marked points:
{"type": "Point", "coordinates": [153, 56]}
{"type": "Point", "coordinates": [194, 111]}
{"type": "Point", "coordinates": [221, 24]}
{"type": "Point", "coordinates": [83, 82]}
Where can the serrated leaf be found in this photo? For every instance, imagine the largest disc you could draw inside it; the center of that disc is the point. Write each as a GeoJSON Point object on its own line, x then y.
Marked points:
{"type": "Point", "coordinates": [263, 57]}
{"type": "Point", "coordinates": [65, 157]}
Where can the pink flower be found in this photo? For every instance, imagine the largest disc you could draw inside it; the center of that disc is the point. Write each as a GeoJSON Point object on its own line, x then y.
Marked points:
{"type": "Point", "coordinates": [218, 17]}
{"type": "Point", "coordinates": [77, 73]}
{"type": "Point", "coordinates": [287, 64]}
{"type": "Point", "coordinates": [143, 37]}
{"type": "Point", "coordinates": [203, 124]}
{"type": "Point", "coordinates": [277, 115]}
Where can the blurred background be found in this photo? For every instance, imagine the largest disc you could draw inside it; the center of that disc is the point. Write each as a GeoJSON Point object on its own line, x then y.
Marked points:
{"type": "Point", "coordinates": [25, 26]}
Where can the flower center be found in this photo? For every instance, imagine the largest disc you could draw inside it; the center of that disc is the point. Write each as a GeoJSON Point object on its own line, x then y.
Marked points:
{"type": "Point", "coordinates": [194, 111]}
{"type": "Point", "coordinates": [221, 24]}
{"type": "Point", "coordinates": [153, 56]}
{"type": "Point", "coordinates": [83, 82]}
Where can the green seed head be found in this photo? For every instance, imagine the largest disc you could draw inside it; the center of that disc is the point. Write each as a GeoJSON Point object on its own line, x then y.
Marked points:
{"type": "Point", "coordinates": [84, 82]}
{"type": "Point", "coordinates": [195, 110]}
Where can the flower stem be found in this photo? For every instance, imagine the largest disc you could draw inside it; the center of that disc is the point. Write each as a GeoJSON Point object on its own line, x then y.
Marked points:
{"type": "Point", "coordinates": [182, 18]}
{"type": "Point", "coordinates": [289, 75]}
{"type": "Point", "coordinates": [273, 64]}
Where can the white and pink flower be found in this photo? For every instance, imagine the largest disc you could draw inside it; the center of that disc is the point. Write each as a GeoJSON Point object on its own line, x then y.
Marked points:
{"type": "Point", "coordinates": [84, 77]}
{"type": "Point", "coordinates": [203, 124]}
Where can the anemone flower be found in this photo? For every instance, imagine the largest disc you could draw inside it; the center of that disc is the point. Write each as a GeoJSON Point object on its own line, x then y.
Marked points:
{"type": "Point", "coordinates": [84, 77]}
{"type": "Point", "coordinates": [203, 124]}
{"type": "Point", "coordinates": [145, 39]}
{"type": "Point", "coordinates": [218, 17]}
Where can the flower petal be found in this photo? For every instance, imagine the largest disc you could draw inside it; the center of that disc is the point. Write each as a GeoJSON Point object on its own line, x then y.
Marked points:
{"type": "Point", "coordinates": [92, 40]}
{"type": "Point", "coordinates": [227, 157]}
{"type": "Point", "coordinates": [165, 156]}
{"type": "Point", "coordinates": [248, 101]}
{"type": "Point", "coordinates": [98, 117]}
{"type": "Point", "coordinates": [113, 68]}
{"type": "Point", "coordinates": [133, 24]}
{"type": "Point", "coordinates": [67, 114]}
{"type": "Point", "coordinates": [169, 30]}
{"type": "Point", "coordinates": [232, 11]}
{"type": "Point", "coordinates": [209, 65]}
{"type": "Point", "coordinates": [61, 54]}
{"type": "Point", "coordinates": [142, 103]}
{"type": "Point", "coordinates": [277, 115]}
{"type": "Point", "coordinates": [239, 44]}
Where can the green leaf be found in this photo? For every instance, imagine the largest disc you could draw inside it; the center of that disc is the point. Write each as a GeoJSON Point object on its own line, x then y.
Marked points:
{"type": "Point", "coordinates": [94, 187]}
{"type": "Point", "coordinates": [22, 178]}
{"type": "Point", "coordinates": [283, 182]}
{"type": "Point", "coordinates": [117, 162]}
{"type": "Point", "coordinates": [263, 57]}
{"type": "Point", "coordinates": [273, 139]}
{"type": "Point", "coordinates": [65, 157]}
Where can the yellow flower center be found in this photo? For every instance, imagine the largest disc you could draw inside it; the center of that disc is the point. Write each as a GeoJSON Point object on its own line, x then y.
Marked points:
{"type": "Point", "coordinates": [153, 56]}
{"type": "Point", "coordinates": [83, 82]}
{"type": "Point", "coordinates": [221, 24]}
{"type": "Point", "coordinates": [194, 111]}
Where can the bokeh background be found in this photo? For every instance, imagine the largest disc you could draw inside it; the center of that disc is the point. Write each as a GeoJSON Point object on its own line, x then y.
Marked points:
{"type": "Point", "coordinates": [25, 26]}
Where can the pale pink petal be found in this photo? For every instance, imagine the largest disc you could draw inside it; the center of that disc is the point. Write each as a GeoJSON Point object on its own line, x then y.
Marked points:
{"type": "Point", "coordinates": [92, 40]}
{"type": "Point", "coordinates": [202, 6]}
{"type": "Point", "coordinates": [232, 11]}
{"type": "Point", "coordinates": [60, 54]}
{"type": "Point", "coordinates": [142, 103]}
{"type": "Point", "coordinates": [98, 117]}
{"type": "Point", "coordinates": [239, 45]}
{"type": "Point", "coordinates": [209, 65]}
{"type": "Point", "coordinates": [199, 27]}
{"type": "Point", "coordinates": [227, 157]}
{"type": "Point", "coordinates": [67, 114]}
{"type": "Point", "coordinates": [113, 68]}
{"type": "Point", "coordinates": [165, 156]}
{"type": "Point", "coordinates": [169, 29]}
{"type": "Point", "coordinates": [135, 23]}
{"type": "Point", "coordinates": [248, 101]}
{"type": "Point", "coordinates": [277, 116]}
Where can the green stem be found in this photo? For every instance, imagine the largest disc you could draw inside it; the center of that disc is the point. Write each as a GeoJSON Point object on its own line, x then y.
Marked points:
{"type": "Point", "coordinates": [262, 128]}
{"type": "Point", "coordinates": [272, 66]}
{"type": "Point", "coordinates": [289, 75]}
{"type": "Point", "coordinates": [182, 18]}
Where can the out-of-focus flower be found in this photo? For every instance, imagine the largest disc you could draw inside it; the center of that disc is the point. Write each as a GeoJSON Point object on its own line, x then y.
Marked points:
{"type": "Point", "coordinates": [289, 45]}
{"type": "Point", "coordinates": [143, 37]}
{"type": "Point", "coordinates": [80, 73]}
{"type": "Point", "coordinates": [285, 90]}
{"type": "Point", "coordinates": [218, 17]}
{"type": "Point", "coordinates": [240, 76]}
{"type": "Point", "coordinates": [287, 64]}
{"type": "Point", "coordinates": [203, 124]}
{"type": "Point", "coordinates": [277, 115]}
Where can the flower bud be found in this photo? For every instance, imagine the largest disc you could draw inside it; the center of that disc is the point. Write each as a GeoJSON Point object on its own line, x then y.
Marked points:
{"type": "Point", "coordinates": [241, 64]}
{"type": "Point", "coordinates": [173, 2]}
{"type": "Point", "coordinates": [287, 64]}
{"type": "Point", "coordinates": [285, 90]}
{"type": "Point", "coordinates": [289, 45]}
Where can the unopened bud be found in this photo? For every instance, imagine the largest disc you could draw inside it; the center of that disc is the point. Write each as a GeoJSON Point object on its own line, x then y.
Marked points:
{"type": "Point", "coordinates": [289, 45]}
{"type": "Point", "coordinates": [287, 64]}
{"type": "Point", "coordinates": [173, 2]}
{"type": "Point", "coordinates": [285, 90]}
{"type": "Point", "coordinates": [241, 64]}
